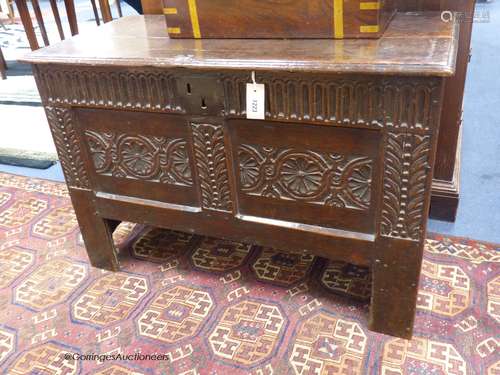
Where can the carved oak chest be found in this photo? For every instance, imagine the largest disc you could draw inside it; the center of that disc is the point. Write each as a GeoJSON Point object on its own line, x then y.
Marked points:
{"type": "Point", "coordinates": [277, 19]}
{"type": "Point", "coordinates": [154, 130]}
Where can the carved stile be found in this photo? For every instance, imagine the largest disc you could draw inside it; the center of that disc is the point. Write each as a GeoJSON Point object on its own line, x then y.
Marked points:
{"type": "Point", "coordinates": [68, 146]}
{"type": "Point", "coordinates": [211, 165]}
{"type": "Point", "coordinates": [406, 173]}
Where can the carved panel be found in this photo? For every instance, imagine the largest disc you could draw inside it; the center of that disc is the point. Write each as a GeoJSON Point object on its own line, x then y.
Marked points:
{"type": "Point", "coordinates": [150, 90]}
{"type": "Point", "coordinates": [362, 101]}
{"type": "Point", "coordinates": [68, 146]}
{"type": "Point", "coordinates": [329, 179]}
{"type": "Point", "coordinates": [141, 157]}
{"type": "Point", "coordinates": [365, 101]}
{"type": "Point", "coordinates": [407, 171]}
{"type": "Point", "coordinates": [211, 165]}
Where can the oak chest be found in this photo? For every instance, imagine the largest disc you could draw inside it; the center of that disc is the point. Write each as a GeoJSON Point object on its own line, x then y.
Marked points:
{"type": "Point", "coordinates": [154, 130]}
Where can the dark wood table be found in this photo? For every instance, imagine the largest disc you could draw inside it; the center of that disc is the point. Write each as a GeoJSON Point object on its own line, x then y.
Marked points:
{"type": "Point", "coordinates": [154, 130]}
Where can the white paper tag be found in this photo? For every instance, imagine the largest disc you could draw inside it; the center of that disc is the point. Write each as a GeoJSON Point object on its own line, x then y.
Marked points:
{"type": "Point", "coordinates": [256, 101]}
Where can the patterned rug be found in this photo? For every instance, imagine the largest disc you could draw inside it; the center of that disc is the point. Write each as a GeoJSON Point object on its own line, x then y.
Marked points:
{"type": "Point", "coordinates": [208, 306]}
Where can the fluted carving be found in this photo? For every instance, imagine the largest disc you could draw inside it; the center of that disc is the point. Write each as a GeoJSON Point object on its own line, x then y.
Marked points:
{"type": "Point", "coordinates": [109, 88]}
{"type": "Point", "coordinates": [367, 102]}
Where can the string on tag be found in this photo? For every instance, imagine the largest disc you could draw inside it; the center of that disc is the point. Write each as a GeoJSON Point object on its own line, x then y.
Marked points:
{"type": "Point", "coordinates": [254, 82]}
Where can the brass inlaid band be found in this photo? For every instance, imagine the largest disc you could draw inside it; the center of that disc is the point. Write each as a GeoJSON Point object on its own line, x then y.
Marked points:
{"type": "Point", "coordinates": [371, 5]}
{"type": "Point", "coordinates": [169, 10]}
{"type": "Point", "coordinates": [193, 13]}
{"type": "Point", "coordinates": [338, 18]}
{"type": "Point", "coordinates": [174, 30]}
{"type": "Point", "coordinates": [369, 29]}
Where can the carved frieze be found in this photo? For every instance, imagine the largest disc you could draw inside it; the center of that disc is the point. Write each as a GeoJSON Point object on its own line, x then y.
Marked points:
{"type": "Point", "coordinates": [372, 102]}
{"type": "Point", "coordinates": [211, 166]}
{"type": "Point", "coordinates": [149, 90]}
{"type": "Point", "coordinates": [68, 146]}
{"type": "Point", "coordinates": [407, 170]}
{"type": "Point", "coordinates": [364, 101]}
{"type": "Point", "coordinates": [141, 157]}
{"type": "Point", "coordinates": [321, 178]}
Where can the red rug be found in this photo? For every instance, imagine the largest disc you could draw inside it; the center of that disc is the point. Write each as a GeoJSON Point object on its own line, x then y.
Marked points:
{"type": "Point", "coordinates": [208, 306]}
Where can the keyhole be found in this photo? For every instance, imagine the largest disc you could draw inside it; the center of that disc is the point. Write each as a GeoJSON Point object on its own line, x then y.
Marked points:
{"type": "Point", "coordinates": [203, 104]}
{"type": "Point", "coordinates": [188, 88]}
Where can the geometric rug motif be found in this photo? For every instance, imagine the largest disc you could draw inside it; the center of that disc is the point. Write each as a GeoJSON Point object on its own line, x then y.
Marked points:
{"type": "Point", "coordinates": [175, 314]}
{"type": "Point", "coordinates": [325, 344]}
{"type": "Point", "coordinates": [247, 333]}
{"type": "Point", "coordinates": [4, 197]}
{"type": "Point", "coordinates": [110, 299]}
{"type": "Point", "coordinates": [48, 358]}
{"type": "Point", "coordinates": [474, 252]}
{"type": "Point", "coordinates": [58, 222]}
{"type": "Point", "coordinates": [7, 343]}
{"type": "Point", "coordinates": [13, 262]}
{"type": "Point", "coordinates": [217, 307]}
{"type": "Point", "coordinates": [493, 289]}
{"type": "Point", "coordinates": [160, 245]}
{"type": "Point", "coordinates": [410, 357]}
{"type": "Point", "coordinates": [444, 289]}
{"type": "Point", "coordinates": [347, 279]}
{"type": "Point", "coordinates": [22, 211]}
{"type": "Point", "coordinates": [50, 284]}
{"type": "Point", "coordinates": [280, 267]}
{"type": "Point", "coordinates": [214, 254]}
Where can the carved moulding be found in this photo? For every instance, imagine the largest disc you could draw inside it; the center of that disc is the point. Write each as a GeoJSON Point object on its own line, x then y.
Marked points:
{"type": "Point", "coordinates": [140, 157]}
{"type": "Point", "coordinates": [366, 101]}
{"type": "Point", "coordinates": [328, 179]}
{"type": "Point", "coordinates": [211, 167]}
{"type": "Point", "coordinates": [68, 147]}
{"type": "Point", "coordinates": [149, 90]}
{"type": "Point", "coordinates": [406, 173]}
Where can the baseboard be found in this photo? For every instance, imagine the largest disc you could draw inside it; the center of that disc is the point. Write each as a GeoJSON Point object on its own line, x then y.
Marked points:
{"type": "Point", "coordinates": [446, 194]}
{"type": "Point", "coordinates": [444, 200]}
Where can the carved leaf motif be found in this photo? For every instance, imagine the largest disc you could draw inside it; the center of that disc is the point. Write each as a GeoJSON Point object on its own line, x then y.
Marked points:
{"type": "Point", "coordinates": [180, 161]}
{"type": "Point", "coordinates": [99, 152]}
{"type": "Point", "coordinates": [211, 165]}
{"type": "Point", "coordinates": [140, 157]}
{"type": "Point", "coordinates": [405, 177]}
{"type": "Point", "coordinates": [68, 146]}
{"type": "Point", "coordinates": [308, 176]}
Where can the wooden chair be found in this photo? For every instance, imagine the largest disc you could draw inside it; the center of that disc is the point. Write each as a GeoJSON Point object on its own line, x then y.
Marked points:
{"type": "Point", "coordinates": [3, 66]}
{"type": "Point", "coordinates": [9, 10]}
{"type": "Point", "coordinates": [69, 5]}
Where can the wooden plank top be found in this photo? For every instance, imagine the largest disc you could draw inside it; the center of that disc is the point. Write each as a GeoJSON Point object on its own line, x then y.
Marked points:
{"type": "Point", "coordinates": [414, 44]}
